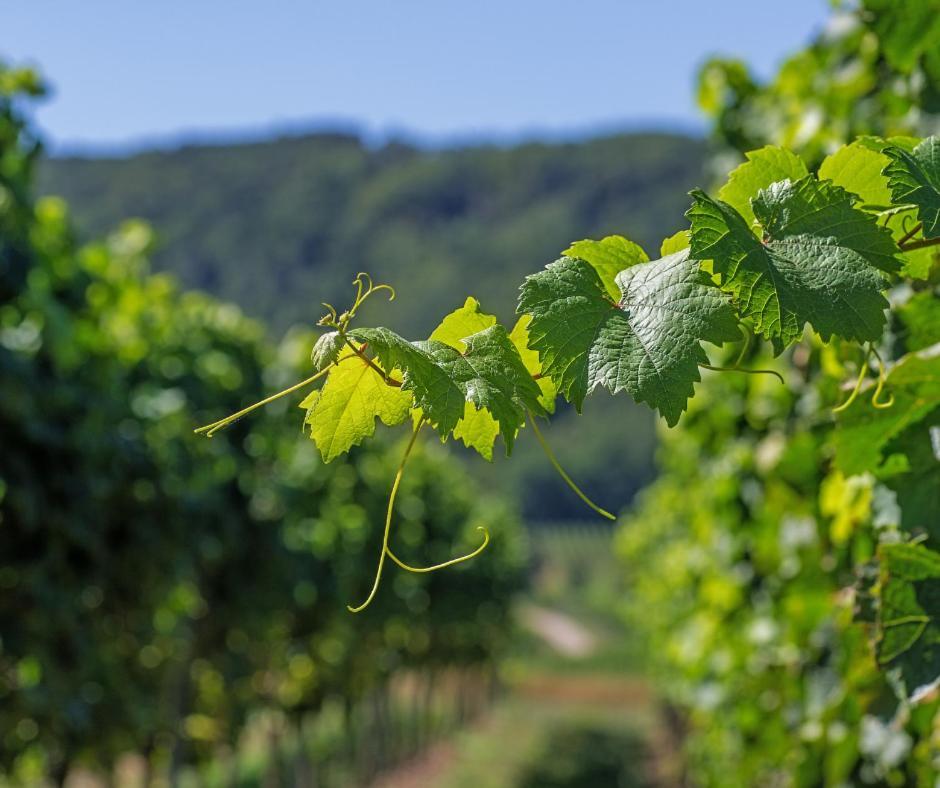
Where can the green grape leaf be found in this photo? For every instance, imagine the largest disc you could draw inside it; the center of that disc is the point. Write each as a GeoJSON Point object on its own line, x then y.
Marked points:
{"type": "Point", "coordinates": [674, 243]}
{"type": "Point", "coordinates": [343, 412]}
{"type": "Point", "coordinates": [488, 374]}
{"type": "Point", "coordinates": [862, 432]}
{"type": "Point", "coordinates": [647, 342]}
{"type": "Point", "coordinates": [477, 428]}
{"type": "Point", "coordinates": [519, 336]}
{"type": "Point", "coordinates": [914, 177]}
{"type": "Point", "coordinates": [492, 376]}
{"type": "Point", "coordinates": [815, 262]}
{"type": "Point", "coordinates": [461, 323]}
{"type": "Point", "coordinates": [762, 168]}
{"type": "Point", "coordinates": [857, 168]}
{"type": "Point", "coordinates": [908, 622]}
{"type": "Point", "coordinates": [439, 398]}
{"type": "Point", "coordinates": [609, 256]}
{"type": "Point", "coordinates": [326, 350]}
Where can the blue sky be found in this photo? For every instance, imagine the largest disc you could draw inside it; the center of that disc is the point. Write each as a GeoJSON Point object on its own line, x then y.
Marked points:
{"type": "Point", "coordinates": [131, 73]}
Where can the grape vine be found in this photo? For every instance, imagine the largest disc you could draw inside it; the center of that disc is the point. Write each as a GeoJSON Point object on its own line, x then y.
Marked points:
{"type": "Point", "coordinates": [779, 249]}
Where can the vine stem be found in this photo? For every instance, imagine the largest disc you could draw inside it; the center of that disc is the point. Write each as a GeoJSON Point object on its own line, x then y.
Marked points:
{"type": "Point", "coordinates": [387, 378]}
{"type": "Point", "coordinates": [561, 471]}
{"type": "Point", "coordinates": [910, 234]}
{"type": "Point", "coordinates": [388, 521]}
{"type": "Point", "coordinates": [746, 371]}
{"type": "Point", "coordinates": [451, 562]}
{"type": "Point", "coordinates": [923, 243]}
{"type": "Point", "coordinates": [211, 429]}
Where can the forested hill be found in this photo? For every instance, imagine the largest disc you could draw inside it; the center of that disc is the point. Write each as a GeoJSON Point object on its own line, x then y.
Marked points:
{"type": "Point", "coordinates": [280, 226]}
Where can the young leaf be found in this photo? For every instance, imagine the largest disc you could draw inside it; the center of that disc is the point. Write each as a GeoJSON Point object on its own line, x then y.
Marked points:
{"type": "Point", "coordinates": [326, 350]}
{"type": "Point", "coordinates": [647, 342]}
{"type": "Point", "coordinates": [345, 411]}
{"type": "Point", "coordinates": [762, 168]}
{"type": "Point", "coordinates": [814, 264]}
{"type": "Point", "coordinates": [908, 638]}
{"type": "Point", "coordinates": [609, 256]}
{"type": "Point", "coordinates": [914, 177]}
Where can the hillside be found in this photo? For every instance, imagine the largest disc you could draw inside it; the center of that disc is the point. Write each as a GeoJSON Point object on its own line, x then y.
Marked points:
{"type": "Point", "coordinates": [280, 226]}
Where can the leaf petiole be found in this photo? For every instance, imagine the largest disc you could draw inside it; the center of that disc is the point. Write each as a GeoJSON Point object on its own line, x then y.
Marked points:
{"type": "Point", "coordinates": [561, 471]}
{"type": "Point", "coordinates": [745, 370]}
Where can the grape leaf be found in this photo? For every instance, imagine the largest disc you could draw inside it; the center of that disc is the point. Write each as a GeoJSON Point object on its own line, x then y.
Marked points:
{"type": "Point", "coordinates": [343, 412]}
{"type": "Point", "coordinates": [477, 428]}
{"type": "Point", "coordinates": [914, 177]}
{"type": "Point", "coordinates": [814, 264]}
{"type": "Point", "coordinates": [489, 374]}
{"type": "Point", "coordinates": [519, 336]}
{"type": "Point", "coordinates": [647, 342]}
{"type": "Point", "coordinates": [461, 323]}
{"type": "Point", "coordinates": [908, 635]}
{"type": "Point", "coordinates": [326, 350]}
{"type": "Point", "coordinates": [862, 431]}
{"type": "Point", "coordinates": [859, 169]}
{"type": "Point", "coordinates": [674, 243]}
{"type": "Point", "coordinates": [763, 167]}
{"type": "Point", "coordinates": [609, 256]}
{"type": "Point", "coordinates": [492, 376]}
{"type": "Point", "coordinates": [439, 397]}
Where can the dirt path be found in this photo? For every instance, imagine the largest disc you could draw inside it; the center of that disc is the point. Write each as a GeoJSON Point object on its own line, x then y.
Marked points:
{"type": "Point", "coordinates": [563, 633]}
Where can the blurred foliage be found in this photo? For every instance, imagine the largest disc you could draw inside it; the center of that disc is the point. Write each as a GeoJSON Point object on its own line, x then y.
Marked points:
{"type": "Point", "coordinates": [874, 68]}
{"type": "Point", "coordinates": [157, 590]}
{"type": "Point", "coordinates": [756, 552]}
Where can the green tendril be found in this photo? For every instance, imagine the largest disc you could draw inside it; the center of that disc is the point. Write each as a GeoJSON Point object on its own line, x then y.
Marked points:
{"type": "Point", "coordinates": [745, 370]}
{"type": "Point", "coordinates": [882, 379]}
{"type": "Point", "coordinates": [858, 384]}
{"type": "Point", "coordinates": [561, 471]}
{"type": "Point", "coordinates": [365, 288]}
{"type": "Point", "coordinates": [388, 522]}
{"type": "Point", "coordinates": [451, 562]}
{"type": "Point", "coordinates": [745, 347]}
{"type": "Point", "coordinates": [210, 429]}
